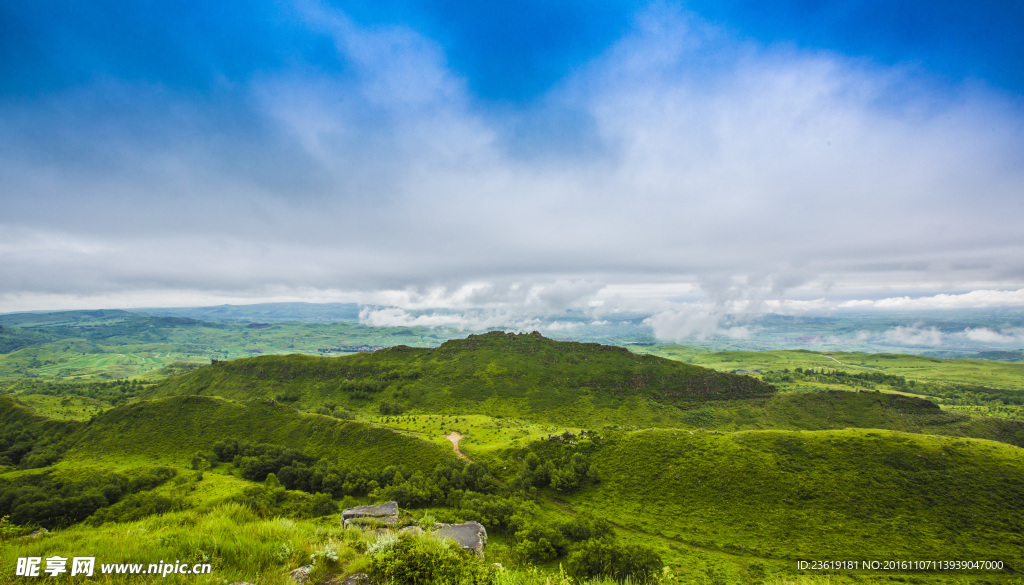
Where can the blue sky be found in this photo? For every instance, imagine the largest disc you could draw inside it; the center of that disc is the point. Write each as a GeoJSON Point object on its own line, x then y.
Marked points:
{"type": "Point", "coordinates": [680, 159]}
{"type": "Point", "coordinates": [510, 52]}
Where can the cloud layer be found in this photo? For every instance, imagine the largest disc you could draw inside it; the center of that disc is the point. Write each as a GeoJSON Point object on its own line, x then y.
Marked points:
{"type": "Point", "coordinates": [680, 156]}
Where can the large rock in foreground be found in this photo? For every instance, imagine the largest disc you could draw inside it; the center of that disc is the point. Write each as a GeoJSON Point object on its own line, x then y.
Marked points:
{"type": "Point", "coordinates": [385, 514]}
{"type": "Point", "coordinates": [469, 535]}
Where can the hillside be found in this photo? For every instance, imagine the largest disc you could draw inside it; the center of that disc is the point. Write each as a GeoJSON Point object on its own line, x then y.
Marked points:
{"type": "Point", "coordinates": [519, 375]}
{"type": "Point", "coordinates": [173, 429]}
{"type": "Point", "coordinates": [841, 409]}
{"type": "Point", "coordinates": [833, 494]}
{"type": "Point", "coordinates": [735, 482]}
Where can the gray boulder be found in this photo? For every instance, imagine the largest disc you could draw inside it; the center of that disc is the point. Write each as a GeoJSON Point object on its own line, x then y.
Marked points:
{"type": "Point", "coordinates": [385, 514]}
{"type": "Point", "coordinates": [469, 535]}
{"type": "Point", "coordinates": [358, 579]}
{"type": "Point", "coordinates": [301, 575]}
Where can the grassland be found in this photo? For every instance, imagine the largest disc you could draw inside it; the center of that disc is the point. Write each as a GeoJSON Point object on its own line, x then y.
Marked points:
{"type": "Point", "coordinates": [729, 479]}
{"type": "Point", "coordinates": [803, 495]}
{"type": "Point", "coordinates": [105, 345]}
{"type": "Point", "coordinates": [173, 429]}
{"type": "Point", "coordinates": [972, 387]}
{"type": "Point", "coordinates": [482, 435]}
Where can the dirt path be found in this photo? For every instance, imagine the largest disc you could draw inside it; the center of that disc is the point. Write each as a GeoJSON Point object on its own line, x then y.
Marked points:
{"type": "Point", "coordinates": [455, 437]}
{"type": "Point", "coordinates": [833, 359]}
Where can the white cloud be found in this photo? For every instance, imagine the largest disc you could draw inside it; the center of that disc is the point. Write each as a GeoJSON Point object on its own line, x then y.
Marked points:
{"type": "Point", "coordinates": [477, 320]}
{"type": "Point", "coordinates": [971, 300]}
{"type": "Point", "coordinates": [913, 336]}
{"type": "Point", "coordinates": [691, 322]}
{"type": "Point", "coordinates": [713, 172]}
{"type": "Point", "coordinates": [987, 335]}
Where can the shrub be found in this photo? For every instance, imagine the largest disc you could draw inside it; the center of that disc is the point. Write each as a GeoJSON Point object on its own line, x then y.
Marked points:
{"type": "Point", "coordinates": [137, 506]}
{"type": "Point", "coordinates": [582, 528]}
{"type": "Point", "coordinates": [410, 560]}
{"type": "Point", "coordinates": [539, 542]}
{"type": "Point", "coordinates": [596, 558]}
{"type": "Point", "coordinates": [8, 530]}
{"type": "Point", "coordinates": [321, 505]}
{"type": "Point", "coordinates": [494, 512]}
{"type": "Point", "coordinates": [150, 478]}
{"type": "Point", "coordinates": [225, 450]}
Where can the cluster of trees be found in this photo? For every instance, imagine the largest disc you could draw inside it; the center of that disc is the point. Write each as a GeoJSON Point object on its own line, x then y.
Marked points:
{"type": "Point", "coordinates": [867, 380]}
{"type": "Point", "coordinates": [297, 471]}
{"type": "Point", "coordinates": [51, 500]}
{"type": "Point", "coordinates": [565, 473]}
{"type": "Point", "coordinates": [560, 463]}
{"type": "Point", "coordinates": [564, 470]}
{"type": "Point", "coordinates": [546, 541]}
{"type": "Point", "coordinates": [26, 447]}
{"type": "Point", "coordinates": [257, 460]}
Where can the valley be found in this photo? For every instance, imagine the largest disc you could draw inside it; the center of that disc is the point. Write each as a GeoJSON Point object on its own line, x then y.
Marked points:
{"type": "Point", "coordinates": [663, 455]}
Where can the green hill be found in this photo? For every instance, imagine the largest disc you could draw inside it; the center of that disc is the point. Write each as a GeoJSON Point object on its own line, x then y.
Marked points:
{"type": "Point", "coordinates": [28, 439]}
{"type": "Point", "coordinates": [840, 409]}
{"type": "Point", "coordinates": [173, 429]}
{"type": "Point", "coordinates": [529, 377]}
{"type": "Point", "coordinates": [781, 479]}
{"type": "Point", "coordinates": [852, 494]}
{"type": "Point", "coordinates": [520, 375]}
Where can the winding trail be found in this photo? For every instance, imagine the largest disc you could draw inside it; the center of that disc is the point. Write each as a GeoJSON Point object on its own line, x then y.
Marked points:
{"type": "Point", "coordinates": [833, 359]}
{"type": "Point", "coordinates": [455, 437]}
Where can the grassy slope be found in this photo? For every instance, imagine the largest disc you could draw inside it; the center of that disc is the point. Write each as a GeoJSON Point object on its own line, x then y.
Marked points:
{"type": "Point", "coordinates": [530, 378]}
{"type": "Point", "coordinates": [524, 376]}
{"type": "Point", "coordinates": [62, 407]}
{"type": "Point", "coordinates": [842, 409]}
{"type": "Point", "coordinates": [812, 495]}
{"type": "Point", "coordinates": [175, 428]}
{"type": "Point", "coordinates": [14, 414]}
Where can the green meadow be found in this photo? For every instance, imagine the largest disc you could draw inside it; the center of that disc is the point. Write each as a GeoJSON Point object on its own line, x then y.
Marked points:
{"type": "Point", "coordinates": [586, 463]}
{"type": "Point", "coordinates": [106, 345]}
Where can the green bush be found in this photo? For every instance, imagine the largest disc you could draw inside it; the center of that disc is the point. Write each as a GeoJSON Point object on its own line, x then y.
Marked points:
{"type": "Point", "coordinates": [408, 560]}
{"type": "Point", "coordinates": [539, 542]}
{"type": "Point", "coordinates": [595, 558]}
{"type": "Point", "coordinates": [8, 530]}
{"type": "Point", "coordinates": [321, 505]}
{"type": "Point", "coordinates": [557, 466]}
{"type": "Point", "coordinates": [582, 528]}
{"type": "Point", "coordinates": [494, 512]}
{"type": "Point", "coordinates": [137, 506]}
{"type": "Point", "coordinates": [225, 450]}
